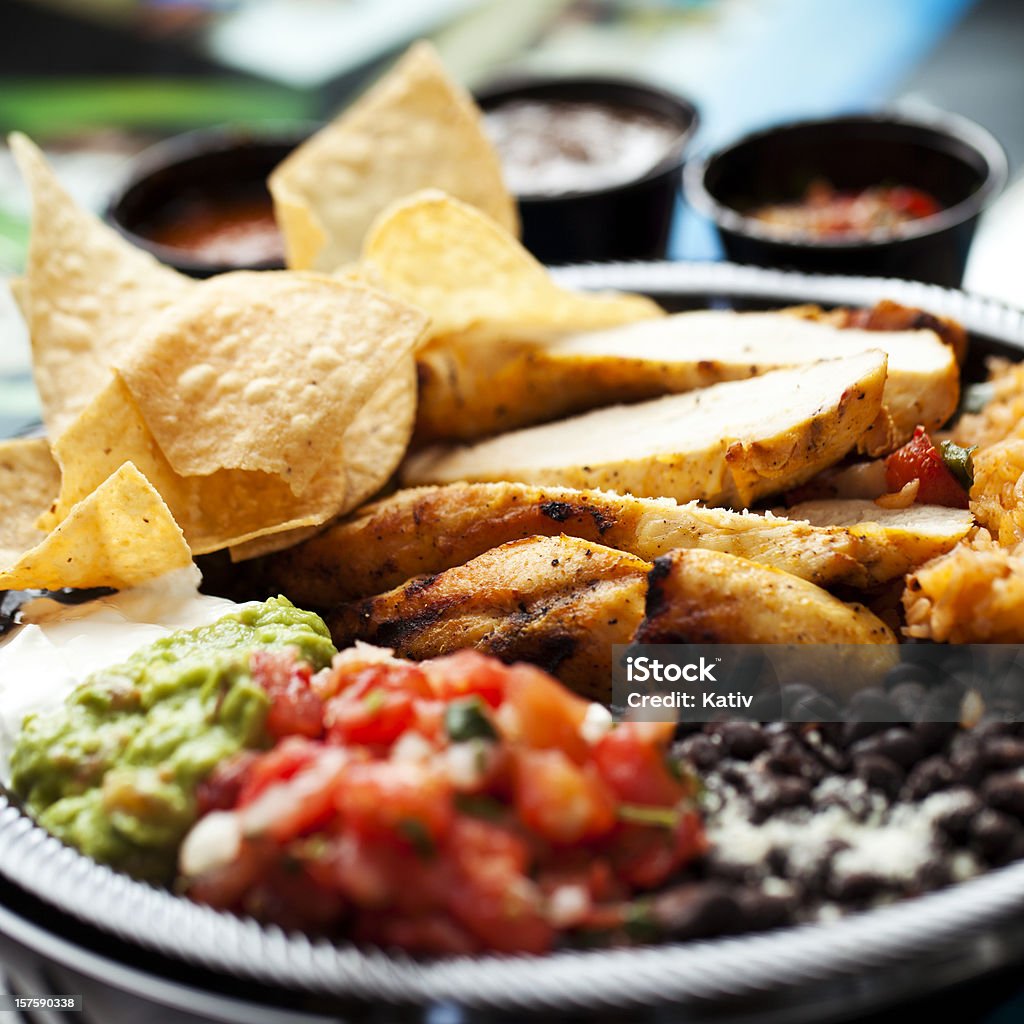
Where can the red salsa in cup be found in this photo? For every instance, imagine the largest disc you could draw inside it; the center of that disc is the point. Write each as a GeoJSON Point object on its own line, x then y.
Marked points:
{"type": "Point", "coordinates": [825, 212]}
{"type": "Point", "coordinates": [236, 231]}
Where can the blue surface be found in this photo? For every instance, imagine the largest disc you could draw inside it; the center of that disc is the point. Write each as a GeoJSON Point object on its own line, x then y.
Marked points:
{"type": "Point", "coordinates": [808, 58]}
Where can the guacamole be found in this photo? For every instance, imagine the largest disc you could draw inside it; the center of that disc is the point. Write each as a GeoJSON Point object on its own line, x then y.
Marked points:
{"type": "Point", "coordinates": [114, 771]}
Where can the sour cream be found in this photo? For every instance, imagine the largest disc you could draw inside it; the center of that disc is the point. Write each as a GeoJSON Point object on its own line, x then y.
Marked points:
{"type": "Point", "coordinates": [59, 646]}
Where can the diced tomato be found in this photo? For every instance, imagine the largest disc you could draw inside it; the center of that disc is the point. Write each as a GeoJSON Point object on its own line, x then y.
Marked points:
{"type": "Point", "coordinates": [377, 706]}
{"type": "Point", "coordinates": [635, 768]}
{"type": "Point", "coordinates": [221, 790]}
{"type": "Point", "coordinates": [299, 804]}
{"type": "Point", "coordinates": [288, 896]}
{"type": "Point", "coordinates": [559, 800]}
{"type": "Point", "coordinates": [479, 847]}
{"type": "Point", "coordinates": [428, 717]}
{"type": "Point", "coordinates": [411, 803]}
{"type": "Point", "coordinates": [466, 673]}
{"type": "Point", "coordinates": [646, 855]}
{"type": "Point", "coordinates": [290, 756]}
{"type": "Point", "coordinates": [493, 897]}
{"type": "Point", "coordinates": [547, 715]}
{"type": "Point", "coordinates": [920, 460]}
{"type": "Point", "coordinates": [295, 709]}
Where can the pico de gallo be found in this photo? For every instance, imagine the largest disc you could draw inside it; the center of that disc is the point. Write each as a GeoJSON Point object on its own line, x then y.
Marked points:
{"type": "Point", "coordinates": [824, 212]}
{"type": "Point", "coordinates": [452, 806]}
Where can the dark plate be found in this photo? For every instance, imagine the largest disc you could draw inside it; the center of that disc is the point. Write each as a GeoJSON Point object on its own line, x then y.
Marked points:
{"type": "Point", "coordinates": [809, 973]}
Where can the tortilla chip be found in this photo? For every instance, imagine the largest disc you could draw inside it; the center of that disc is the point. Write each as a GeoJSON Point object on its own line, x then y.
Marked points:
{"type": "Point", "coordinates": [119, 536]}
{"type": "Point", "coordinates": [468, 273]}
{"type": "Point", "coordinates": [87, 293]}
{"type": "Point", "coordinates": [373, 446]}
{"type": "Point", "coordinates": [215, 511]}
{"type": "Point", "coordinates": [265, 371]}
{"type": "Point", "coordinates": [29, 479]}
{"type": "Point", "coordinates": [416, 128]}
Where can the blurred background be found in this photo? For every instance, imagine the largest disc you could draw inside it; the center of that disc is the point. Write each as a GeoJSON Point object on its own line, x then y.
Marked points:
{"type": "Point", "coordinates": [95, 81]}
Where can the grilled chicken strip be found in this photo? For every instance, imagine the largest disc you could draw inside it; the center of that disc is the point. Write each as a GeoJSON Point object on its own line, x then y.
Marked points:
{"type": "Point", "coordinates": [728, 444]}
{"type": "Point", "coordinates": [559, 602]}
{"type": "Point", "coordinates": [891, 316]}
{"type": "Point", "coordinates": [429, 529]}
{"type": "Point", "coordinates": [470, 389]}
{"type": "Point", "coordinates": [709, 597]}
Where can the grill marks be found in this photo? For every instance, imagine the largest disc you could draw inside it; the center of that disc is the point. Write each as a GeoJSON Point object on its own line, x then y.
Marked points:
{"type": "Point", "coordinates": [559, 602]}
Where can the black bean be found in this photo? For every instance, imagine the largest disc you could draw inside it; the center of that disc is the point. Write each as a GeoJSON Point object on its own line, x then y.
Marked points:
{"type": "Point", "coordinates": [817, 876]}
{"type": "Point", "coordinates": [787, 756]}
{"type": "Point", "coordinates": [1003, 751]}
{"type": "Point", "coordinates": [869, 711]}
{"type": "Point", "coordinates": [908, 697]}
{"type": "Point", "coordinates": [907, 673]}
{"type": "Point", "coordinates": [994, 835]}
{"type": "Point", "coordinates": [957, 822]}
{"type": "Point", "coordinates": [994, 725]}
{"type": "Point", "coordinates": [834, 759]}
{"type": "Point", "coordinates": [879, 773]}
{"type": "Point", "coordinates": [792, 792]}
{"type": "Point", "coordinates": [815, 708]}
{"type": "Point", "coordinates": [737, 775]}
{"type": "Point", "coordinates": [940, 705]}
{"type": "Point", "coordinates": [700, 750]}
{"type": "Point", "coordinates": [760, 911]}
{"type": "Point", "coordinates": [855, 887]}
{"type": "Point", "coordinates": [778, 861]}
{"type": "Point", "coordinates": [933, 735]}
{"type": "Point", "coordinates": [967, 758]}
{"type": "Point", "coordinates": [933, 874]}
{"type": "Point", "coordinates": [772, 795]}
{"type": "Point", "coordinates": [927, 777]}
{"type": "Point", "coordinates": [730, 871]}
{"type": "Point", "coordinates": [742, 740]}
{"type": "Point", "coordinates": [694, 910]}
{"type": "Point", "coordinates": [1005, 792]}
{"type": "Point", "coordinates": [898, 744]}
{"type": "Point", "coordinates": [832, 732]}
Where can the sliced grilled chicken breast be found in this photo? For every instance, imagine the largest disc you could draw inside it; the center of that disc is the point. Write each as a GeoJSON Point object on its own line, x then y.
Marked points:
{"type": "Point", "coordinates": [430, 529]}
{"type": "Point", "coordinates": [712, 597]}
{"type": "Point", "coordinates": [470, 390]}
{"type": "Point", "coordinates": [559, 602]}
{"type": "Point", "coordinates": [728, 444]}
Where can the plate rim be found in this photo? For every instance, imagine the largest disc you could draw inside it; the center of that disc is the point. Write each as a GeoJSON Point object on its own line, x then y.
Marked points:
{"type": "Point", "coordinates": [894, 935]}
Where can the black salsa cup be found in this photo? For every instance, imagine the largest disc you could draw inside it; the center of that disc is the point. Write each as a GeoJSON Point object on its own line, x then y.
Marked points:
{"type": "Point", "coordinates": [949, 157]}
{"type": "Point", "coordinates": [629, 221]}
{"type": "Point", "coordinates": [202, 166]}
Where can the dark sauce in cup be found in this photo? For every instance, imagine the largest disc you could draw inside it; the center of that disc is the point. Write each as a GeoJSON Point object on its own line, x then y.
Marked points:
{"type": "Point", "coordinates": [555, 147]}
